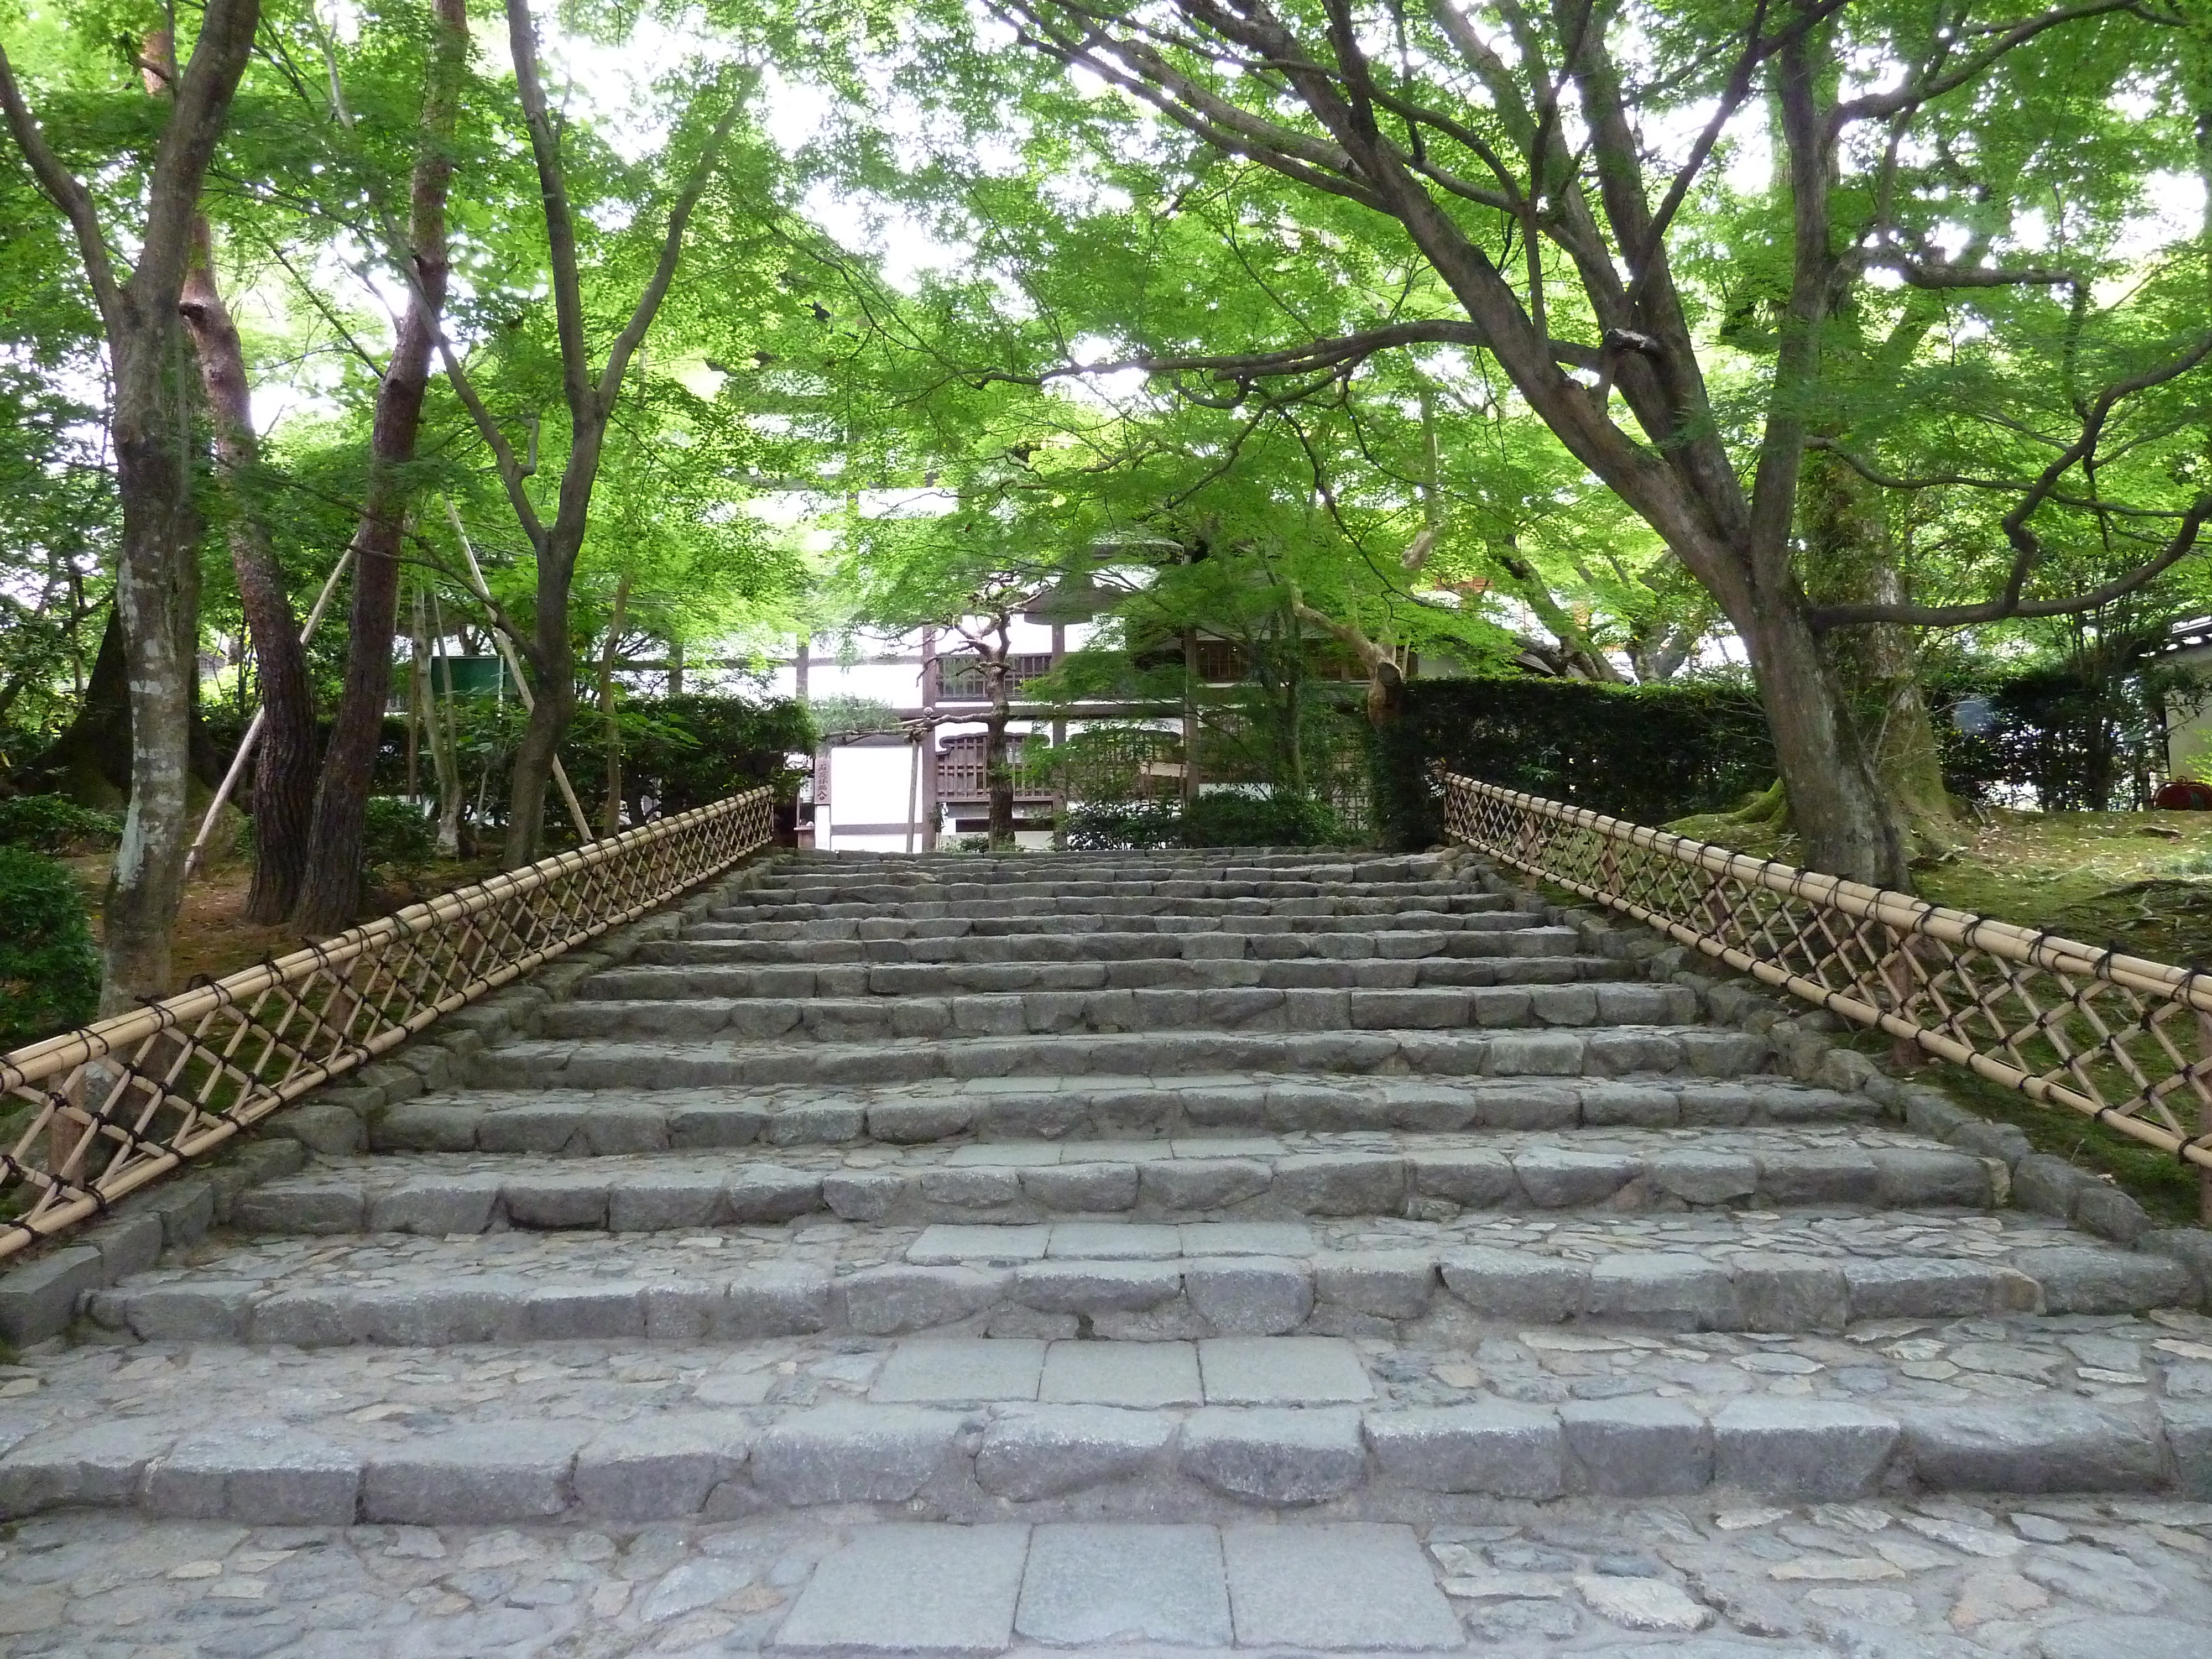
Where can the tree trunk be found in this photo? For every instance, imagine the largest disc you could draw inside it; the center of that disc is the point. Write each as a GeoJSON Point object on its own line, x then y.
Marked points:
{"type": "Point", "coordinates": [439, 715]}
{"type": "Point", "coordinates": [330, 892]}
{"type": "Point", "coordinates": [552, 665]}
{"type": "Point", "coordinates": [998, 776]}
{"type": "Point", "coordinates": [1189, 715]}
{"type": "Point", "coordinates": [284, 759]}
{"type": "Point", "coordinates": [611, 821]}
{"type": "Point", "coordinates": [1834, 799]}
{"type": "Point", "coordinates": [157, 575]}
{"type": "Point", "coordinates": [90, 760]}
{"type": "Point", "coordinates": [157, 599]}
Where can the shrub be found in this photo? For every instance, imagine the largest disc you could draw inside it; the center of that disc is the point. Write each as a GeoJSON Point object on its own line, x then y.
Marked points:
{"type": "Point", "coordinates": [397, 835]}
{"type": "Point", "coordinates": [1230, 818]}
{"type": "Point", "coordinates": [49, 971]}
{"type": "Point", "coordinates": [1104, 826]}
{"type": "Point", "coordinates": [56, 825]}
{"type": "Point", "coordinates": [1224, 817]}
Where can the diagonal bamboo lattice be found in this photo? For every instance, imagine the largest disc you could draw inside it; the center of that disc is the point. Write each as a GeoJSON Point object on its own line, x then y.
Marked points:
{"type": "Point", "coordinates": [2115, 1037]}
{"type": "Point", "coordinates": [95, 1113]}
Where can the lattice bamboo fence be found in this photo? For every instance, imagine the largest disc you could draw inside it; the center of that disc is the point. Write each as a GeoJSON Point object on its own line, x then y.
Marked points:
{"type": "Point", "coordinates": [2117, 1038]}
{"type": "Point", "coordinates": [95, 1113]}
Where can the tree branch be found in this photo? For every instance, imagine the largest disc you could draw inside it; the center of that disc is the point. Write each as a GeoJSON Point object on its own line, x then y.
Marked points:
{"type": "Point", "coordinates": [62, 188]}
{"type": "Point", "coordinates": [2010, 604]}
{"type": "Point", "coordinates": [1919, 274]}
{"type": "Point", "coordinates": [1876, 106]}
{"type": "Point", "coordinates": [560, 217]}
{"type": "Point", "coordinates": [671, 250]}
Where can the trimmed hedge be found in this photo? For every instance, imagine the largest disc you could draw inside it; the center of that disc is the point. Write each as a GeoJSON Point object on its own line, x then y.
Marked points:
{"type": "Point", "coordinates": [1221, 818]}
{"type": "Point", "coordinates": [49, 971]}
{"type": "Point", "coordinates": [1647, 752]}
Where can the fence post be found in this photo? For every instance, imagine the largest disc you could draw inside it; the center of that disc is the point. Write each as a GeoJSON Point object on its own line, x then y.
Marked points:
{"type": "Point", "coordinates": [1903, 1053]}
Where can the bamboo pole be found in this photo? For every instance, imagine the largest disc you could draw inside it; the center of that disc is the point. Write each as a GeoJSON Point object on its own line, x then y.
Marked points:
{"type": "Point", "coordinates": [514, 662]}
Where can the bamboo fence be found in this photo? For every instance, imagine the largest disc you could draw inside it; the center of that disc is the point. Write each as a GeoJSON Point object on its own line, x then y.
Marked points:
{"type": "Point", "coordinates": [99, 1112]}
{"type": "Point", "coordinates": [2123, 1040]}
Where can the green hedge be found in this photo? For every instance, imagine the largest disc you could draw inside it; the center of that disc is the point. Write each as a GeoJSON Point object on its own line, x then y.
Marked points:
{"type": "Point", "coordinates": [49, 971]}
{"type": "Point", "coordinates": [1221, 818]}
{"type": "Point", "coordinates": [1649, 753]}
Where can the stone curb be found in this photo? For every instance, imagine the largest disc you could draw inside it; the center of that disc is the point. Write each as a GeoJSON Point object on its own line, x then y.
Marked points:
{"type": "Point", "coordinates": [953, 1464]}
{"type": "Point", "coordinates": [39, 1293]}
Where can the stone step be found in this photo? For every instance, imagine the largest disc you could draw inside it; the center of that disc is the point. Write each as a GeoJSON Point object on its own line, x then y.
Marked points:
{"type": "Point", "coordinates": [579, 1122]}
{"type": "Point", "coordinates": [1165, 972]}
{"type": "Point", "coordinates": [1151, 866]}
{"type": "Point", "coordinates": [1440, 1286]}
{"type": "Point", "coordinates": [1317, 932]}
{"type": "Point", "coordinates": [1036, 1429]}
{"type": "Point", "coordinates": [1001, 907]}
{"type": "Point", "coordinates": [803, 890]}
{"type": "Point", "coordinates": [1519, 946]}
{"type": "Point", "coordinates": [891, 1014]}
{"type": "Point", "coordinates": [1433, 1177]}
{"type": "Point", "coordinates": [1600, 1051]}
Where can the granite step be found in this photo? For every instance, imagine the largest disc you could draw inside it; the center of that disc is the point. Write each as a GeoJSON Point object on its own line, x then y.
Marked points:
{"type": "Point", "coordinates": [1599, 1051]}
{"type": "Point", "coordinates": [1439, 1284]}
{"type": "Point", "coordinates": [582, 1122]}
{"type": "Point", "coordinates": [1100, 866]}
{"type": "Point", "coordinates": [810, 924]}
{"type": "Point", "coordinates": [1166, 971]}
{"type": "Point", "coordinates": [1426, 1176]}
{"type": "Point", "coordinates": [804, 891]}
{"type": "Point", "coordinates": [1457, 903]}
{"type": "Point", "coordinates": [890, 1011]}
{"type": "Point", "coordinates": [1034, 951]}
{"type": "Point", "coordinates": [974, 1429]}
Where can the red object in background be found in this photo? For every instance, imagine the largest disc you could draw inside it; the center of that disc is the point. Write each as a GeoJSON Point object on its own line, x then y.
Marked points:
{"type": "Point", "coordinates": [2183, 795]}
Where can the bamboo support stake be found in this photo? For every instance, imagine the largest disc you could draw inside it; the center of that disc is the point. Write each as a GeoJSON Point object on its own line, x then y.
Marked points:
{"type": "Point", "coordinates": [514, 662]}
{"type": "Point", "coordinates": [237, 768]}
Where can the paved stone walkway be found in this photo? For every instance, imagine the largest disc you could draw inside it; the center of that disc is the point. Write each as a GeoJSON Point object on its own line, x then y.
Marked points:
{"type": "Point", "coordinates": [1936, 1579]}
{"type": "Point", "coordinates": [1195, 1251]}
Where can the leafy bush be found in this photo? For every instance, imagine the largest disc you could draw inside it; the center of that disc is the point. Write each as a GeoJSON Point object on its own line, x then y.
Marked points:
{"type": "Point", "coordinates": [48, 972]}
{"type": "Point", "coordinates": [56, 825]}
{"type": "Point", "coordinates": [1650, 753]}
{"type": "Point", "coordinates": [1105, 826]}
{"type": "Point", "coordinates": [397, 835]}
{"type": "Point", "coordinates": [1227, 817]}
{"type": "Point", "coordinates": [1223, 817]}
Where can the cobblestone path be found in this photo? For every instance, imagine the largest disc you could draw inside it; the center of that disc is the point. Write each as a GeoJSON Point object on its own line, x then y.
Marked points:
{"type": "Point", "coordinates": [1135, 1253]}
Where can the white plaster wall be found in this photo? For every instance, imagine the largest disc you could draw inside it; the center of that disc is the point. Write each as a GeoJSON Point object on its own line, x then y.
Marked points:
{"type": "Point", "coordinates": [2189, 729]}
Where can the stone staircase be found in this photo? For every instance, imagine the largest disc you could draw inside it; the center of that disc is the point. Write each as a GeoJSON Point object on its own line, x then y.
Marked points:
{"type": "Point", "coordinates": [1169, 1194]}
